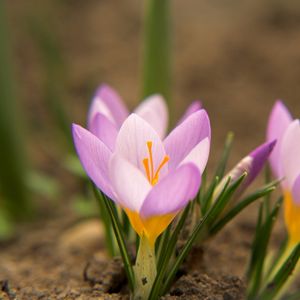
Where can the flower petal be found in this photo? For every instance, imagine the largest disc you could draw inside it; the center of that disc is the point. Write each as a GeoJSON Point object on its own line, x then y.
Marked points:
{"type": "Point", "coordinates": [173, 192]}
{"type": "Point", "coordinates": [193, 107]}
{"type": "Point", "coordinates": [154, 110]}
{"type": "Point", "coordinates": [181, 141]}
{"type": "Point", "coordinates": [129, 183]}
{"type": "Point", "coordinates": [94, 156]}
{"type": "Point", "coordinates": [279, 120]}
{"type": "Point", "coordinates": [108, 102]}
{"type": "Point", "coordinates": [199, 155]}
{"type": "Point", "coordinates": [296, 190]}
{"type": "Point", "coordinates": [132, 140]}
{"type": "Point", "coordinates": [259, 157]}
{"type": "Point", "coordinates": [105, 130]}
{"type": "Point", "coordinates": [290, 152]}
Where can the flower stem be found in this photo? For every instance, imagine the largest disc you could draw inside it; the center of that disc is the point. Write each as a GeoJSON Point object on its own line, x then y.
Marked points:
{"type": "Point", "coordinates": [144, 269]}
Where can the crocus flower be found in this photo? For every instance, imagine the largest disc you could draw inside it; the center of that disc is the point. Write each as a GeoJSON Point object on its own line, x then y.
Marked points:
{"type": "Point", "coordinates": [251, 164]}
{"type": "Point", "coordinates": [108, 112]}
{"type": "Point", "coordinates": [285, 164]}
{"type": "Point", "coordinates": [151, 179]}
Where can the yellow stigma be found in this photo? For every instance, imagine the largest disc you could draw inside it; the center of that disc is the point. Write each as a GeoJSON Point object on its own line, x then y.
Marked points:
{"type": "Point", "coordinates": [149, 166]}
{"type": "Point", "coordinates": [292, 218]}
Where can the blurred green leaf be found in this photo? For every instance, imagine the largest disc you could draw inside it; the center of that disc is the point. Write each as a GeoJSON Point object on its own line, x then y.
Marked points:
{"type": "Point", "coordinates": [157, 49]}
{"type": "Point", "coordinates": [13, 157]}
{"type": "Point", "coordinates": [225, 155]}
{"type": "Point", "coordinates": [274, 287]}
{"type": "Point", "coordinates": [259, 249]}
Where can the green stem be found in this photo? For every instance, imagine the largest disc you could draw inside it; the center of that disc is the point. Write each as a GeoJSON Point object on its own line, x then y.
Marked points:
{"type": "Point", "coordinates": [144, 269]}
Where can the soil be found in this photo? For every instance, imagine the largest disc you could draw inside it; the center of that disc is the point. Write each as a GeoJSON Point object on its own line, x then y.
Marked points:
{"type": "Point", "coordinates": [236, 56]}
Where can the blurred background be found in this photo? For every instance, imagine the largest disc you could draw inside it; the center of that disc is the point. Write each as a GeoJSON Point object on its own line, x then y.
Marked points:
{"type": "Point", "coordinates": [237, 57]}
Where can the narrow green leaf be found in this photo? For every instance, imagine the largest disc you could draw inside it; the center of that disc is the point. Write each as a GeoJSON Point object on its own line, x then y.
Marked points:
{"type": "Point", "coordinates": [224, 158]}
{"type": "Point", "coordinates": [206, 199]}
{"type": "Point", "coordinates": [166, 255]}
{"type": "Point", "coordinates": [119, 236]}
{"type": "Point", "coordinates": [157, 49]}
{"type": "Point", "coordinates": [201, 227]}
{"type": "Point", "coordinates": [14, 194]}
{"type": "Point", "coordinates": [260, 249]}
{"type": "Point", "coordinates": [274, 287]}
{"type": "Point", "coordinates": [105, 217]}
{"type": "Point", "coordinates": [239, 207]}
{"type": "Point", "coordinates": [224, 198]}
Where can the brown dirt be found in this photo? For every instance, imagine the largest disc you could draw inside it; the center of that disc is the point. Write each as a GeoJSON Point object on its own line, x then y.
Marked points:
{"type": "Point", "coordinates": [237, 56]}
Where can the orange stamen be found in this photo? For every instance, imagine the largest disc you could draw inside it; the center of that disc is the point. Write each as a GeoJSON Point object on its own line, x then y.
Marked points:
{"type": "Point", "coordinates": [146, 166]}
{"type": "Point", "coordinates": [149, 166]}
{"type": "Point", "coordinates": [156, 176]}
{"type": "Point", "coordinates": [149, 145]}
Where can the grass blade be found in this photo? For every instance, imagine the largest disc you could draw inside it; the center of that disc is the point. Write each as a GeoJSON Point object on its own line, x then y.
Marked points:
{"type": "Point", "coordinates": [120, 238]}
{"type": "Point", "coordinates": [165, 257]}
{"type": "Point", "coordinates": [224, 158]}
{"type": "Point", "coordinates": [157, 49]}
{"type": "Point", "coordinates": [281, 276]}
{"type": "Point", "coordinates": [241, 206]}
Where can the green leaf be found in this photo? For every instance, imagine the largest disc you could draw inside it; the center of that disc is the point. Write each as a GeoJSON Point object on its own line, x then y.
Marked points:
{"type": "Point", "coordinates": [164, 259]}
{"type": "Point", "coordinates": [224, 158]}
{"type": "Point", "coordinates": [274, 287]}
{"type": "Point", "coordinates": [206, 199]}
{"type": "Point", "coordinates": [120, 239]}
{"type": "Point", "coordinates": [157, 49]}
{"type": "Point", "coordinates": [241, 206]}
{"type": "Point", "coordinates": [224, 198]}
{"type": "Point", "coordinates": [260, 246]}
{"type": "Point", "coordinates": [106, 219]}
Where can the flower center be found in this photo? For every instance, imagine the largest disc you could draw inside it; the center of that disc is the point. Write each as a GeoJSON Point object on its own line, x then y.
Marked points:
{"type": "Point", "coordinates": [152, 175]}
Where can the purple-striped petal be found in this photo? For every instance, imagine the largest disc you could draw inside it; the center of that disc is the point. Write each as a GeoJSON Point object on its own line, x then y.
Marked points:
{"type": "Point", "coordinates": [129, 183]}
{"type": "Point", "coordinates": [259, 157]}
{"type": "Point", "coordinates": [296, 190]}
{"type": "Point", "coordinates": [279, 120]}
{"type": "Point", "coordinates": [105, 130]}
{"type": "Point", "coordinates": [94, 156]}
{"type": "Point", "coordinates": [112, 102]}
{"type": "Point", "coordinates": [154, 110]}
{"type": "Point", "coordinates": [186, 136]}
{"type": "Point", "coordinates": [199, 155]}
{"type": "Point", "coordinates": [290, 152]}
{"type": "Point", "coordinates": [173, 192]}
{"type": "Point", "coordinates": [193, 107]}
{"type": "Point", "coordinates": [132, 140]}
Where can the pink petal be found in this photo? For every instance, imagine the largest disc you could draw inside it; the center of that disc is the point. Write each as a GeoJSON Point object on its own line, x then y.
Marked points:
{"type": "Point", "coordinates": [105, 130]}
{"type": "Point", "coordinates": [154, 110]}
{"type": "Point", "coordinates": [279, 120]}
{"type": "Point", "coordinates": [173, 192]}
{"type": "Point", "coordinates": [94, 156]}
{"type": "Point", "coordinates": [199, 155]}
{"type": "Point", "coordinates": [193, 107]}
{"type": "Point", "coordinates": [181, 141]}
{"type": "Point", "coordinates": [290, 153]}
{"type": "Point", "coordinates": [108, 102]}
{"type": "Point", "coordinates": [132, 140]}
{"type": "Point", "coordinates": [129, 183]}
{"type": "Point", "coordinates": [296, 190]}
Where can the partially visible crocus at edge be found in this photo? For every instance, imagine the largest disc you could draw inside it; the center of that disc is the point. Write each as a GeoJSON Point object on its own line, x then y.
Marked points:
{"type": "Point", "coordinates": [251, 164]}
{"type": "Point", "coordinates": [285, 164]}
{"type": "Point", "coordinates": [150, 178]}
{"type": "Point", "coordinates": [108, 112]}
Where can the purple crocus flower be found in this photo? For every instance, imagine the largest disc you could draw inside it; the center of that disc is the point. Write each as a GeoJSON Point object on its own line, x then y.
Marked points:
{"type": "Point", "coordinates": [151, 179]}
{"type": "Point", "coordinates": [285, 164]}
{"type": "Point", "coordinates": [251, 164]}
{"type": "Point", "coordinates": [108, 112]}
